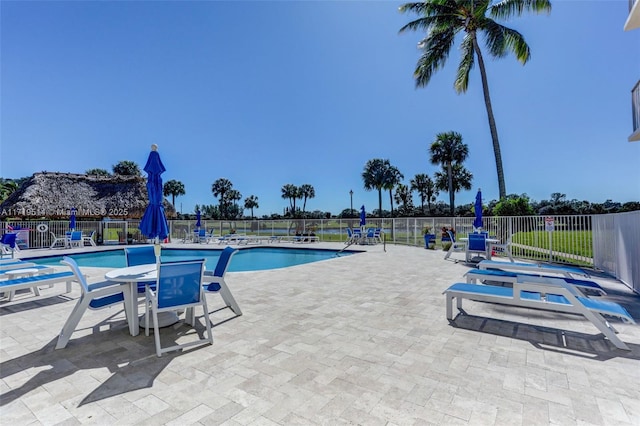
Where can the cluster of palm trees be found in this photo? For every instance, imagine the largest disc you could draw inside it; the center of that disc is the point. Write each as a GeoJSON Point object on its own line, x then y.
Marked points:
{"type": "Point", "coordinates": [446, 150]}
{"type": "Point", "coordinates": [228, 197]}
{"type": "Point", "coordinates": [292, 193]}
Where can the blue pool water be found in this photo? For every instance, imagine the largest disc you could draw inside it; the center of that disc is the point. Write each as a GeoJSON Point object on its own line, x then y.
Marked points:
{"type": "Point", "coordinates": [252, 259]}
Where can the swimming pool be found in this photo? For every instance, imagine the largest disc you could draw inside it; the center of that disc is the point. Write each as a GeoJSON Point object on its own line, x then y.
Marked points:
{"type": "Point", "coordinates": [251, 259]}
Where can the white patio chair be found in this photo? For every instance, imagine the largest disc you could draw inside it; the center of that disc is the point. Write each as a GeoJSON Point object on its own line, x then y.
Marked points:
{"type": "Point", "coordinates": [455, 245]}
{"type": "Point", "coordinates": [94, 296]}
{"type": "Point", "coordinates": [179, 286]}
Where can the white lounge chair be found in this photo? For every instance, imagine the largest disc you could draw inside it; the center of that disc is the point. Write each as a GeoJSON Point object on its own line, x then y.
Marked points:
{"type": "Point", "coordinates": [538, 268]}
{"type": "Point", "coordinates": [491, 276]}
{"type": "Point", "coordinates": [560, 297]}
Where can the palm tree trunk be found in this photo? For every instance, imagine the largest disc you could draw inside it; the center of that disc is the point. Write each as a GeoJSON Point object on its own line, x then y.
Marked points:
{"type": "Point", "coordinates": [380, 202]}
{"type": "Point", "coordinates": [451, 198]}
{"type": "Point", "coordinates": [492, 122]}
{"type": "Point", "coordinates": [391, 200]}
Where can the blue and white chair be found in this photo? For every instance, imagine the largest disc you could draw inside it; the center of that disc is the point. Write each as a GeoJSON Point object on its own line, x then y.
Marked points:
{"type": "Point", "coordinates": [477, 244]}
{"type": "Point", "coordinates": [8, 244]}
{"type": "Point", "coordinates": [179, 286]}
{"type": "Point", "coordinates": [76, 240]}
{"type": "Point", "coordinates": [144, 255]}
{"type": "Point", "coordinates": [94, 296]}
{"type": "Point", "coordinates": [214, 280]}
{"type": "Point", "coordinates": [455, 245]}
{"type": "Point", "coordinates": [55, 240]}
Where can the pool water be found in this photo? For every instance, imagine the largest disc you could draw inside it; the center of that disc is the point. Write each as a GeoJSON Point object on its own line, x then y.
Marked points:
{"type": "Point", "coordinates": [252, 259]}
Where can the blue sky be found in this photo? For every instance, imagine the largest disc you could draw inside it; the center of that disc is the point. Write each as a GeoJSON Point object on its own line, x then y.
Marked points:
{"type": "Point", "coordinates": [273, 92]}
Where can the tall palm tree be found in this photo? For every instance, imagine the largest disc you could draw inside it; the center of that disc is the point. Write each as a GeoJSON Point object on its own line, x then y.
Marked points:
{"type": "Point", "coordinates": [291, 192]}
{"type": "Point", "coordinates": [251, 202]}
{"type": "Point", "coordinates": [426, 189]}
{"type": "Point", "coordinates": [233, 210]}
{"type": "Point", "coordinates": [307, 191]}
{"type": "Point", "coordinates": [174, 188]}
{"type": "Point", "coordinates": [404, 199]}
{"type": "Point", "coordinates": [444, 19]}
{"type": "Point", "coordinates": [448, 150]}
{"type": "Point", "coordinates": [219, 189]}
{"type": "Point", "coordinates": [459, 179]}
{"type": "Point", "coordinates": [374, 176]}
{"type": "Point", "coordinates": [392, 178]}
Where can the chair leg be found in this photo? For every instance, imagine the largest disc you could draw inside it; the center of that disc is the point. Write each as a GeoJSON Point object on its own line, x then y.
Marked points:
{"type": "Point", "coordinates": [449, 252]}
{"type": "Point", "coordinates": [156, 332]}
{"type": "Point", "coordinates": [207, 320]}
{"type": "Point", "coordinates": [72, 322]}
{"type": "Point", "coordinates": [147, 303]}
{"type": "Point", "coordinates": [229, 299]}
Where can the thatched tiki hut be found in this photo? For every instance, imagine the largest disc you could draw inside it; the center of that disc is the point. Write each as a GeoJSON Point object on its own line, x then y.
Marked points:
{"type": "Point", "coordinates": [53, 195]}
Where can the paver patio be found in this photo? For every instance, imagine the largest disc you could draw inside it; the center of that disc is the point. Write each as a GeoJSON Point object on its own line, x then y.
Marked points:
{"type": "Point", "coordinates": [358, 339]}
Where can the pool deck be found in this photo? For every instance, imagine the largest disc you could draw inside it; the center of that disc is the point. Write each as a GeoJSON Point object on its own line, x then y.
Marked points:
{"type": "Point", "coordinates": [354, 340]}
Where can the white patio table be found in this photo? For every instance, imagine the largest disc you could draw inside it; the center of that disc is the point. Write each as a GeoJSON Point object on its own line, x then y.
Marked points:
{"type": "Point", "coordinates": [134, 275]}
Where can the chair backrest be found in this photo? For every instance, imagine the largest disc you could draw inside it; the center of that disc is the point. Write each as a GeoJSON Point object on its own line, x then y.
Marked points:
{"type": "Point", "coordinates": [139, 255]}
{"type": "Point", "coordinates": [477, 242]}
{"type": "Point", "coordinates": [349, 233]}
{"type": "Point", "coordinates": [179, 283]}
{"type": "Point", "coordinates": [76, 271]}
{"type": "Point", "coordinates": [76, 236]}
{"type": "Point", "coordinates": [452, 236]}
{"type": "Point", "coordinates": [9, 240]}
{"type": "Point", "coordinates": [202, 233]}
{"type": "Point", "coordinates": [357, 231]}
{"type": "Point", "coordinates": [370, 232]}
{"type": "Point", "coordinates": [223, 261]}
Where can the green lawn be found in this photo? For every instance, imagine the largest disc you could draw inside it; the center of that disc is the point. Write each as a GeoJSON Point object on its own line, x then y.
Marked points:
{"type": "Point", "coordinates": [578, 243]}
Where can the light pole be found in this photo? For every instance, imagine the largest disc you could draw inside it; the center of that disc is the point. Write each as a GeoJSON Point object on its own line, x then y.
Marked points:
{"type": "Point", "coordinates": [351, 195]}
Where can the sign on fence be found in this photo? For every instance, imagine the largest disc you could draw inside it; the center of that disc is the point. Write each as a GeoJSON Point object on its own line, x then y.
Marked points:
{"type": "Point", "coordinates": [549, 224]}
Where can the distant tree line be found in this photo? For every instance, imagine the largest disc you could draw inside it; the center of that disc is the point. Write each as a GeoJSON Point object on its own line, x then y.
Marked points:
{"type": "Point", "coordinates": [447, 150]}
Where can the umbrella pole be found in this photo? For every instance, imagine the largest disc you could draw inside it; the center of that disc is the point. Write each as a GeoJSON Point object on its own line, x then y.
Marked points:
{"type": "Point", "coordinates": [156, 250]}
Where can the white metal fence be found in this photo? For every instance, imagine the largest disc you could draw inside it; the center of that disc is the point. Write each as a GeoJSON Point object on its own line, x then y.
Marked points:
{"type": "Point", "coordinates": [608, 242]}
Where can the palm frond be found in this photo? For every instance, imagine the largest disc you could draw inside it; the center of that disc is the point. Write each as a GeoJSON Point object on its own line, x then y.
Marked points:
{"type": "Point", "coordinates": [436, 47]}
{"type": "Point", "coordinates": [429, 8]}
{"type": "Point", "coordinates": [466, 64]}
{"type": "Point", "coordinates": [501, 40]}
{"type": "Point", "coordinates": [419, 24]}
{"type": "Point", "coordinates": [433, 15]}
{"type": "Point", "coordinates": [494, 38]}
{"type": "Point", "coordinates": [506, 9]}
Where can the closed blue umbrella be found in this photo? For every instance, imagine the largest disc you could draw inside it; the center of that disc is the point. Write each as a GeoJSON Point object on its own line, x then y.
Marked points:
{"type": "Point", "coordinates": [363, 216]}
{"type": "Point", "coordinates": [154, 224]}
{"type": "Point", "coordinates": [477, 222]}
{"type": "Point", "coordinates": [72, 220]}
{"type": "Point", "coordinates": [198, 224]}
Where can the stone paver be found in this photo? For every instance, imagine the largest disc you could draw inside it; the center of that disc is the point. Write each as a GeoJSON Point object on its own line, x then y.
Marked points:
{"type": "Point", "coordinates": [359, 339]}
